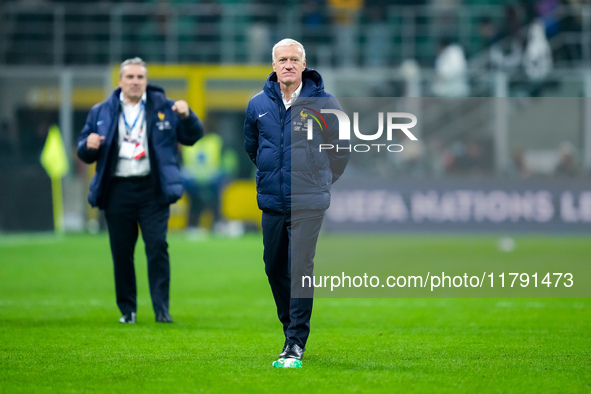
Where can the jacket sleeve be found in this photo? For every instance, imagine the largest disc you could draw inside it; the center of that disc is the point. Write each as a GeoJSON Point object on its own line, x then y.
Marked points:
{"type": "Point", "coordinates": [251, 134]}
{"type": "Point", "coordinates": [189, 130]}
{"type": "Point", "coordinates": [338, 157]}
{"type": "Point", "coordinates": [85, 154]}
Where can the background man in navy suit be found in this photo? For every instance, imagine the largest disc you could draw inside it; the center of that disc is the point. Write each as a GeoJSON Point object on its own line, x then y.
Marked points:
{"type": "Point", "coordinates": [133, 138]}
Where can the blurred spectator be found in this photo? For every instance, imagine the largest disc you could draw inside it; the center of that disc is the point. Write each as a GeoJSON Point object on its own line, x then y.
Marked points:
{"type": "Point", "coordinates": [571, 27]}
{"type": "Point", "coordinates": [513, 21]}
{"type": "Point", "coordinates": [410, 71]}
{"type": "Point", "coordinates": [501, 55]}
{"type": "Point", "coordinates": [450, 71]}
{"type": "Point", "coordinates": [89, 42]}
{"type": "Point", "coordinates": [197, 35]}
{"type": "Point", "coordinates": [487, 32]}
{"type": "Point", "coordinates": [547, 10]}
{"type": "Point", "coordinates": [474, 161]}
{"type": "Point", "coordinates": [537, 60]}
{"type": "Point", "coordinates": [506, 53]}
{"type": "Point", "coordinates": [411, 161]}
{"type": "Point", "coordinates": [566, 165]}
{"type": "Point", "coordinates": [207, 167]}
{"type": "Point", "coordinates": [444, 19]}
{"type": "Point", "coordinates": [377, 45]}
{"type": "Point", "coordinates": [153, 32]}
{"type": "Point", "coordinates": [471, 157]}
{"type": "Point", "coordinates": [30, 33]}
{"type": "Point", "coordinates": [518, 166]}
{"type": "Point", "coordinates": [261, 30]}
{"type": "Point", "coordinates": [314, 30]}
{"type": "Point", "coordinates": [345, 14]}
{"type": "Point", "coordinates": [208, 35]}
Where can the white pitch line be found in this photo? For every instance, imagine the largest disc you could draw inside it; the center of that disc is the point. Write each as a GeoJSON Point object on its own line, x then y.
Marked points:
{"type": "Point", "coordinates": [15, 240]}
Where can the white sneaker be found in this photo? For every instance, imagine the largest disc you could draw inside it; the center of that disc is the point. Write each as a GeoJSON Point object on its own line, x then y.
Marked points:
{"type": "Point", "coordinates": [128, 318]}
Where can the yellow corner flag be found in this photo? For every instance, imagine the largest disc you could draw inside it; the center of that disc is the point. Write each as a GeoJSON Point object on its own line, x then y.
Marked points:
{"type": "Point", "coordinates": [53, 157]}
{"type": "Point", "coordinates": [55, 161]}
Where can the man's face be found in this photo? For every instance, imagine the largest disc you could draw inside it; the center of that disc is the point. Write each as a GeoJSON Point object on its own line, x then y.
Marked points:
{"type": "Point", "coordinates": [289, 65]}
{"type": "Point", "coordinates": [133, 81]}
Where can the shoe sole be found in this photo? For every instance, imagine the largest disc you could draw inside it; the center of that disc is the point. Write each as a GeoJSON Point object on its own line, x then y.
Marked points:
{"type": "Point", "coordinates": [287, 363]}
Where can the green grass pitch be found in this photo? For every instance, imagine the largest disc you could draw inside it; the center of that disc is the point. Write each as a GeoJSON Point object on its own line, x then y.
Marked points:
{"type": "Point", "coordinates": [59, 329]}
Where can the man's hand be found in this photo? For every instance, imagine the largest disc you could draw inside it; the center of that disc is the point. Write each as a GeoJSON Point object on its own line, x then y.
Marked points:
{"type": "Point", "coordinates": [181, 108]}
{"type": "Point", "coordinates": [94, 141]}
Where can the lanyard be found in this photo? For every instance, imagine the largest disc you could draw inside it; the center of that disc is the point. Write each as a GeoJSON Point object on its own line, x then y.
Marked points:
{"type": "Point", "coordinates": [130, 129]}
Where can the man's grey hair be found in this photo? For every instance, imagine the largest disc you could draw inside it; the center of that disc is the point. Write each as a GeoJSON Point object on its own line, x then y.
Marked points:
{"type": "Point", "coordinates": [287, 42]}
{"type": "Point", "coordinates": [135, 61]}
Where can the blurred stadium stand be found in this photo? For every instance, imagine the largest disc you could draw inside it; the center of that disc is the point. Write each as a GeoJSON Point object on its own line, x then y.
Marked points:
{"type": "Point", "coordinates": [38, 32]}
{"type": "Point", "coordinates": [58, 58]}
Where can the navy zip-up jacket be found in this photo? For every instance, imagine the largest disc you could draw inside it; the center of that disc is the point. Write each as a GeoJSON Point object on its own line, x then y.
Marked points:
{"type": "Point", "coordinates": [293, 173]}
{"type": "Point", "coordinates": [164, 129]}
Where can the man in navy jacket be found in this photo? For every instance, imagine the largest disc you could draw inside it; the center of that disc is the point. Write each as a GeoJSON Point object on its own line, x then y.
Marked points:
{"type": "Point", "coordinates": [132, 136]}
{"type": "Point", "coordinates": [294, 178]}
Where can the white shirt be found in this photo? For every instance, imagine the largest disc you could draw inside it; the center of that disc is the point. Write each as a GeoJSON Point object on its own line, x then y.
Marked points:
{"type": "Point", "coordinates": [294, 97]}
{"type": "Point", "coordinates": [451, 71]}
{"type": "Point", "coordinates": [133, 167]}
{"type": "Point", "coordinates": [537, 59]}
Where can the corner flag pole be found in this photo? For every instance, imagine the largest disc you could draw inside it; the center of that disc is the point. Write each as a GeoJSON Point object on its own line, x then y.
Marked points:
{"type": "Point", "coordinates": [58, 205]}
{"type": "Point", "coordinates": [55, 162]}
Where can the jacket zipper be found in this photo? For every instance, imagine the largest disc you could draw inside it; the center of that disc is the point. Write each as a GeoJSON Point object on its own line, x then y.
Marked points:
{"type": "Point", "coordinates": [282, 113]}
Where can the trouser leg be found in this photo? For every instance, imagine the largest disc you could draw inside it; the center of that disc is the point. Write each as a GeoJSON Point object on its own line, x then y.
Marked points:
{"type": "Point", "coordinates": [276, 256]}
{"type": "Point", "coordinates": [303, 232]}
{"type": "Point", "coordinates": [153, 220]}
{"type": "Point", "coordinates": [121, 217]}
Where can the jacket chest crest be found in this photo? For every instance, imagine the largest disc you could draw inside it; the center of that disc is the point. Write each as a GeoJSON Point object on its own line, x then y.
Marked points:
{"type": "Point", "coordinates": [162, 123]}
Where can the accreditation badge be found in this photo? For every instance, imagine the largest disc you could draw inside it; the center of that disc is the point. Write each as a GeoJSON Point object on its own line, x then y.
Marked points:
{"type": "Point", "coordinates": [127, 148]}
{"type": "Point", "coordinates": [139, 152]}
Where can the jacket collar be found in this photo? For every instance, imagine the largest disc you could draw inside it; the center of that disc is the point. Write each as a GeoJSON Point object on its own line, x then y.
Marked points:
{"type": "Point", "coordinates": [154, 96]}
{"type": "Point", "coordinates": [312, 85]}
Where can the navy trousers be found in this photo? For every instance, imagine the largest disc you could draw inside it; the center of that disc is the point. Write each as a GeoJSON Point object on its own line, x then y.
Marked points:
{"type": "Point", "coordinates": [289, 248]}
{"type": "Point", "coordinates": [132, 202]}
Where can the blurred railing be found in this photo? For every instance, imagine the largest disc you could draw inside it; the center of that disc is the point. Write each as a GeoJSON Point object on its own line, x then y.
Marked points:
{"type": "Point", "coordinates": [102, 33]}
